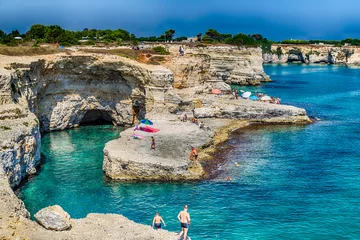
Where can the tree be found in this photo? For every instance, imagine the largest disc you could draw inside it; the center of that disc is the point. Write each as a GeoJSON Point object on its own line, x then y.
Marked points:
{"type": "Point", "coordinates": [242, 39]}
{"type": "Point", "coordinates": [257, 37]}
{"type": "Point", "coordinates": [37, 31]}
{"type": "Point", "coordinates": [212, 35]}
{"type": "Point", "coordinates": [14, 33]}
{"type": "Point", "coordinates": [198, 36]}
{"type": "Point", "coordinates": [52, 33]}
{"type": "Point", "coordinates": [2, 34]}
{"type": "Point", "coordinates": [169, 34]}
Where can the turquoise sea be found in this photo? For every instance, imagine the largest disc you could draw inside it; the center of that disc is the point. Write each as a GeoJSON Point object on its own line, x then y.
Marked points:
{"type": "Point", "coordinates": [293, 182]}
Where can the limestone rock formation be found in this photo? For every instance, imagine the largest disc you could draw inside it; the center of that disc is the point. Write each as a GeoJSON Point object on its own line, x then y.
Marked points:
{"type": "Point", "coordinates": [19, 142]}
{"type": "Point", "coordinates": [62, 91]}
{"type": "Point", "coordinates": [53, 218]}
{"type": "Point", "coordinates": [212, 65]}
{"type": "Point", "coordinates": [251, 110]}
{"type": "Point", "coordinates": [130, 159]}
{"type": "Point", "coordinates": [313, 54]}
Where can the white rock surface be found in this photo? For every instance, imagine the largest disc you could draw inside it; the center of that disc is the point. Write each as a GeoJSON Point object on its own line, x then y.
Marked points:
{"type": "Point", "coordinates": [53, 218]}
{"type": "Point", "coordinates": [130, 159]}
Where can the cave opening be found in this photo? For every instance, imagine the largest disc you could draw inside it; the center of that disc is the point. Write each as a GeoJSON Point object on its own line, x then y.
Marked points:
{"type": "Point", "coordinates": [96, 117]}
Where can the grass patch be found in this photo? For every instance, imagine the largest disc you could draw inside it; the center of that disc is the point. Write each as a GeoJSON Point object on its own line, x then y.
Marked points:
{"type": "Point", "coordinates": [26, 124]}
{"type": "Point", "coordinates": [127, 53]}
{"type": "Point", "coordinates": [123, 52]}
{"type": "Point", "coordinates": [5, 128]}
{"type": "Point", "coordinates": [27, 51]}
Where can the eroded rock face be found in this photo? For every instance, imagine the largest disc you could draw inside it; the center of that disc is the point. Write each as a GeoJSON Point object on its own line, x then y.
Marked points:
{"type": "Point", "coordinates": [19, 143]}
{"type": "Point", "coordinates": [251, 110]}
{"type": "Point", "coordinates": [62, 91]}
{"type": "Point", "coordinates": [53, 218]}
{"type": "Point", "coordinates": [217, 64]}
{"type": "Point", "coordinates": [313, 54]}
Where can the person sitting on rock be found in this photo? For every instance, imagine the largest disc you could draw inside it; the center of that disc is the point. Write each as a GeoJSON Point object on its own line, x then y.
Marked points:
{"type": "Point", "coordinates": [193, 155]}
{"type": "Point", "coordinates": [157, 221]}
{"type": "Point", "coordinates": [153, 145]}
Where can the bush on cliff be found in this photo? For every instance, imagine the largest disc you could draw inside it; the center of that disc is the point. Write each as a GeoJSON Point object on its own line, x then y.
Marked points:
{"type": "Point", "coordinates": [160, 50]}
{"type": "Point", "coordinates": [292, 41]}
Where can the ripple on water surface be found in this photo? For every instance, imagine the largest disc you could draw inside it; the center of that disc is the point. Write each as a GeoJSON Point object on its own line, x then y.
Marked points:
{"type": "Point", "coordinates": [292, 182]}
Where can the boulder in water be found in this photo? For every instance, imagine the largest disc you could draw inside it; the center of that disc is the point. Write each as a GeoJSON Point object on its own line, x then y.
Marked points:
{"type": "Point", "coordinates": [53, 218]}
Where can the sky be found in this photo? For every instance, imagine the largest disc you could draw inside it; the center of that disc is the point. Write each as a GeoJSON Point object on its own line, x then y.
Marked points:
{"type": "Point", "coordinates": [274, 19]}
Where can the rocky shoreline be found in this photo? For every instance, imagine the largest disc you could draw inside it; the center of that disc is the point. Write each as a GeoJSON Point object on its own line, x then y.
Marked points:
{"type": "Point", "coordinates": [129, 159]}
{"type": "Point", "coordinates": [56, 92]}
{"type": "Point", "coordinates": [313, 54]}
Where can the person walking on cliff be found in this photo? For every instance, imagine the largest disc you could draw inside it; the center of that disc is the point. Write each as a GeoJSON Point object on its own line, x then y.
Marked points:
{"type": "Point", "coordinates": [153, 145]}
{"type": "Point", "coordinates": [193, 155]}
{"type": "Point", "coordinates": [184, 218]}
{"type": "Point", "coordinates": [157, 221]}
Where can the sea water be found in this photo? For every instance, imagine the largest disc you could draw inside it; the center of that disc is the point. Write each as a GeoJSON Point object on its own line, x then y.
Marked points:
{"type": "Point", "coordinates": [292, 182]}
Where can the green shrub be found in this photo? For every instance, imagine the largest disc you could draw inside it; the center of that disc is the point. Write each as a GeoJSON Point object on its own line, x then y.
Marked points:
{"type": "Point", "coordinates": [18, 111]}
{"type": "Point", "coordinates": [5, 128]}
{"type": "Point", "coordinates": [160, 50]}
{"type": "Point", "coordinates": [26, 124]}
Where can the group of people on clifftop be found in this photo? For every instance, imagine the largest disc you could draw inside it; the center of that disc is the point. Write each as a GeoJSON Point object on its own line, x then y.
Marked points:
{"type": "Point", "coordinates": [183, 217]}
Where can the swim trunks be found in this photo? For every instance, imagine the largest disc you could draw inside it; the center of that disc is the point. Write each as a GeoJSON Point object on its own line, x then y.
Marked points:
{"type": "Point", "coordinates": [184, 225]}
{"type": "Point", "coordinates": [157, 225]}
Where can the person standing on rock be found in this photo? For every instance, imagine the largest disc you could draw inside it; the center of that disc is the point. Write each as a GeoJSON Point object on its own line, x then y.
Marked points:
{"type": "Point", "coordinates": [153, 145]}
{"type": "Point", "coordinates": [193, 155]}
{"type": "Point", "coordinates": [157, 221]}
{"type": "Point", "coordinates": [184, 218]}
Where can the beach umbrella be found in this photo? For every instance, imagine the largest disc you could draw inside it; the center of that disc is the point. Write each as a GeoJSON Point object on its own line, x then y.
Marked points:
{"type": "Point", "coordinates": [254, 98]}
{"type": "Point", "coordinates": [265, 98]}
{"type": "Point", "coordinates": [246, 95]}
{"type": "Point", "coordinates": [216, 91]}
{"type": "Point", "coordinates": [146, 121]}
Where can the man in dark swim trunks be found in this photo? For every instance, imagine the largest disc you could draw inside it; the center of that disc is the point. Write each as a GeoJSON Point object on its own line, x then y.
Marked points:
{"type": "Point", "coordinates": [157, 221]}
{"type": "Point", "coordinates": [184, 218]}
{"type": "Point", "coordinates": [193, 155]}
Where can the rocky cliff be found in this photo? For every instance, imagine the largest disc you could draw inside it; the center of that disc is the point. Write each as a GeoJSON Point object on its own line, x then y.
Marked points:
{"type": "Point", "coordinates": [215, 65]}
{"type": "Point", "coordinates": [69, 90]}
{"type": "Point", "coordinates": [312, 53]}
{"type": "Point", "coordinates": [130, 159]}
{"type": "Point", "coordinates": [19, 142]}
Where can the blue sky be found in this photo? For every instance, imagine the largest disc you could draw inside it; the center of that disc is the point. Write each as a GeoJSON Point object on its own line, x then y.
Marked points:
{"type": "Point", "coordinates": [274, 19]}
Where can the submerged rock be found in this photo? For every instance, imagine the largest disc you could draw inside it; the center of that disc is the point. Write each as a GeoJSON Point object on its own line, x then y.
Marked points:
{"type": "Point", "coordinates": [53, 218]}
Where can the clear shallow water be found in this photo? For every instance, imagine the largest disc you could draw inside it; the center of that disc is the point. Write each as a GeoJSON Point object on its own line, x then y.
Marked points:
{"type": "Point", "coordinates": [293, 182]}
